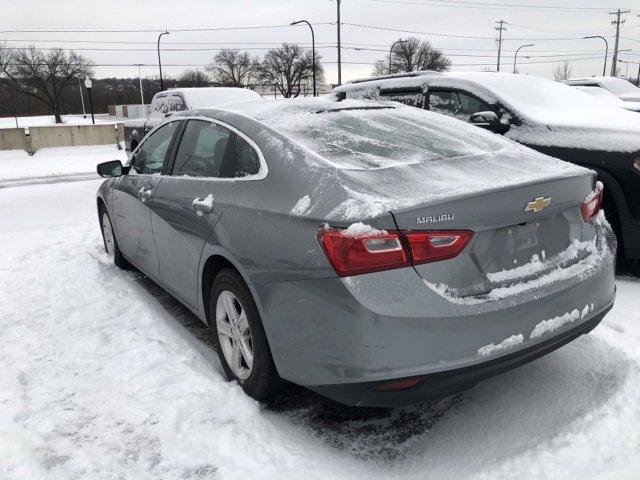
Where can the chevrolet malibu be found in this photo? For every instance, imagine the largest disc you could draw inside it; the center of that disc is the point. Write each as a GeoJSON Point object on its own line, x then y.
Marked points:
{"type": "Point", "coordinates": [375, 253]}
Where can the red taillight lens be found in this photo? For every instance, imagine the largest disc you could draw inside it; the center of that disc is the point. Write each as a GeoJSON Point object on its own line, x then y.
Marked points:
{"type": "Point", "coordinates": [353, 255]}
{"type": "Point", "coordinates": [434, 246]}
{"type": "Point", "coordinates": [591, 206]}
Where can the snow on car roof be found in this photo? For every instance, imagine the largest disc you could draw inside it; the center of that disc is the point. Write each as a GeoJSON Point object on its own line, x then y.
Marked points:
{"type": "Point", "coordinates": [616, 85]}
{"type": "Point", "coordinates": [204, 97]}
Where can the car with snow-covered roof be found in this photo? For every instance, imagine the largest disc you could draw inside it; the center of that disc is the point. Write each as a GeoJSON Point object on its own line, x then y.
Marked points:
{"type": "Point", "coordinates": [548, 116]}
{"type": "Point", "coordinates": [372, 252]}
{"type": "Point", "coordinates": [166, 103]}
{"type": "Point", "coordinates": [620, 87]}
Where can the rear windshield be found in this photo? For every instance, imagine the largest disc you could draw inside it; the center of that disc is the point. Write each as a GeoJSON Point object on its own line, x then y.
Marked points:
{"type": "Point", "coordinates": [384, 137]}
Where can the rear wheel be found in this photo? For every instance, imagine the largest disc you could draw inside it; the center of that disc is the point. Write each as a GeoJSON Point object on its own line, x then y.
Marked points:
{"type": "Point", "coordinates": [239, 337]}
{"type": "Point", "coordinates": [110, 242]}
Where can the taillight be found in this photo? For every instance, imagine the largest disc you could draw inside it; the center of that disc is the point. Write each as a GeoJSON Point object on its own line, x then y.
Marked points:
{"type": "Point", "coordinates": [636, 164]}
{"type": "Point", "coordinates": [353, 255]}
{"type": "Point", "coordinates": [591, 206]}
{"type": "Point", "coordinates": [381, 250]}
{"type": "Point", "coordinates": [435, 246]}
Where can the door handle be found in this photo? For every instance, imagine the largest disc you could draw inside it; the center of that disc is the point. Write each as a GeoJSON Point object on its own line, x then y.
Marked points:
{"type": "Point", "coordinates": [144, 195]}
{"type": "Point", "coordinates": [203, 205]}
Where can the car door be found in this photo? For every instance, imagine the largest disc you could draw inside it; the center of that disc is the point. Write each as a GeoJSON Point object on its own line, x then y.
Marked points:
{"type": "Point", "coordinates": [134, 194]}
{"type": "Point", "coordinates": [190, 201]}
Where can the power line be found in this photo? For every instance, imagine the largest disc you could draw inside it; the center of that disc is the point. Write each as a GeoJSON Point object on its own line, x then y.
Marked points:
{"type": "Point", "coordinates": [203, 29]}
{"type": "Point", "coordinates": [390, 29]}
{"type": "Point", "coordinates": [490, 5]}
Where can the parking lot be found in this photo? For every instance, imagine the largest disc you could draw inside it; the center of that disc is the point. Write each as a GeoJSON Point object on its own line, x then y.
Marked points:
{"type": "Point", "coordinates": [106, 376]}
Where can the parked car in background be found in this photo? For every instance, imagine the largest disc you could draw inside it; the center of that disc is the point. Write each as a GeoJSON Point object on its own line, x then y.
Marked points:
{"type": "Point", "coordinates": [621, 88]}
{"type": "Point", "coordinates": [164, 104]}
{"type": "Point", "coordinates": [607, 96]}
{"type": "Point", "coordinates": [372, 252]}
{"type": "Point", "coordinates": [548, 116]}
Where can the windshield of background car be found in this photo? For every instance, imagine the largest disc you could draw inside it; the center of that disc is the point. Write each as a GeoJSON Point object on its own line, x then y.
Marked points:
{"type": "Point", "coordinates": [370, 138]}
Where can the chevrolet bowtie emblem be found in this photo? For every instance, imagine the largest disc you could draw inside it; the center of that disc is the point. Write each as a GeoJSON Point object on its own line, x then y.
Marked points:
{"type": "Point", "coordinates": [538, 204]}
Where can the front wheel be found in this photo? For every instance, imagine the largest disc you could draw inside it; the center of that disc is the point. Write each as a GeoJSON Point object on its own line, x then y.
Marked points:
{"type": "Point", "coordinates": [110, 242]}
{"type": "Point", "coordinates": [240, 339]}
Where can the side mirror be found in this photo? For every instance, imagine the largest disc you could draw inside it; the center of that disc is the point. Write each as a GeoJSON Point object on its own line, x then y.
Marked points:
{"type": "Point", "coordinates": [110, 169]}
{"type": "Point", "coordinates": [488, 120]}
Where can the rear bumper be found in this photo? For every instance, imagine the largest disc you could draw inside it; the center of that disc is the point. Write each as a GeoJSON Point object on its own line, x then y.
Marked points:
{"type": "Point", "coordinates": [441, 384]}
{"type": "Point", "coordinates": [347, 335]}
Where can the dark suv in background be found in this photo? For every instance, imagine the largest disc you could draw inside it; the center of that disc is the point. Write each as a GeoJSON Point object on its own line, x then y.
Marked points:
{"type": "Point", "coordinates": [547, 116]}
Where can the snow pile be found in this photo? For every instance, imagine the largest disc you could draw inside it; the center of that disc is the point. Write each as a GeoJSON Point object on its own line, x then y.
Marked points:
{"type": "Point", "coordinates": [206, 203]}
{"type": "Point", "coordinates": [359, 229]}
{"type": "Point", "coordinates": [553, 324]}
{"type": "Point", "coordinates": [536, 266]}
{"type": "Point", "coordinates": [302, 206]}
{"type": "Point", "coordinates": [506, 344]}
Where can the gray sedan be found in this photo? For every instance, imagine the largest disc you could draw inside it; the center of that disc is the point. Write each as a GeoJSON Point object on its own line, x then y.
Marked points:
{"type": "Point", "coordinates": [372, 252]}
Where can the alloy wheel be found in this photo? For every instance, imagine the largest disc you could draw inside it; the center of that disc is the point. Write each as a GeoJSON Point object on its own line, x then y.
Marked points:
{"type": "Point", "coordinates": [234, 334]}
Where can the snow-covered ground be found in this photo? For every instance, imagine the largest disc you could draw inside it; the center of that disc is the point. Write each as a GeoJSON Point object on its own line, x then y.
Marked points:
{"type": "Point", "coordinates": [44, 120]}
{"type": "Point", "coordinates": [102, 376]}
{"type": "Point", "coordinates": [63, 163]}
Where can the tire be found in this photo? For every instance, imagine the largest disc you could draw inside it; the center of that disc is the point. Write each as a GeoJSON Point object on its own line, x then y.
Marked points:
{"type": "Point", "coordinates": [259, 378]}
{"type": "Point", "coordinates": [110, 242]}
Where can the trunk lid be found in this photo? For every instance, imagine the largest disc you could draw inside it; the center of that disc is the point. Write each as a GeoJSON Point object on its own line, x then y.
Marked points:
{"type": "Point", "coordinates": [520, 232]}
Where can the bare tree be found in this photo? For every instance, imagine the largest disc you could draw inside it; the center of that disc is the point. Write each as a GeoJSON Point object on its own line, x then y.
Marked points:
{"type": "Point", "coordinates": [562, 71]}
{"type": "Point", "coordinates": [288, 67]}
{"type": "Point", "coordinates": [232, 68]}
{"type": "Point", "coordinates": [412, 54]}
{"type": "Point", "coordinates": [43, 75]}
{"type": "Point", "coordinates": [193, 78]}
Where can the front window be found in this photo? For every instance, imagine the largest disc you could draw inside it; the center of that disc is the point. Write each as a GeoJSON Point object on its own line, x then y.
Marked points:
{"type": "Point", "coordinates": [149, 157]}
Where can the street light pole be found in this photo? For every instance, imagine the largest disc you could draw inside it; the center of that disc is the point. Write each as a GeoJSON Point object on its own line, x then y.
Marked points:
{"type": "Point", "coordinates": [515, 57]}
{"type": "Point", "coordinates": [88, 85]}
{"type": "Point", "coordinates": [391, 51]}
{"type": "Point", "coordinates": [160, 61]}
{"type": "Point", "coordinates": [606, 52]}
{"type": "Point", "coordinates": [313, 52]}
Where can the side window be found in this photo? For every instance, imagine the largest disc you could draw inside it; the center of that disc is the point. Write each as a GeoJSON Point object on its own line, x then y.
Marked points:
{"type": "Point", "coordinates": [412, 98]}
{"type": "Point", "coordinates": [456, 104]}
{"type": "Point", "coordinates": [149, 157]}
{"type": "Point", "coordinates": [211, 150]}
{"type": "Point", "coordinates": [470, 105]}
{"type": "Point", "coordinates": [445, 102]}
{"type": "Point", "coordinates": [202, 150]}
{"type": "Point", "coordinates": [247, 161]}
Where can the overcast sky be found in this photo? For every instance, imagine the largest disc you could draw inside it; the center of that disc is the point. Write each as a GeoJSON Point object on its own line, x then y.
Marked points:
{"type": "Point", "coordinates": [552, 28]}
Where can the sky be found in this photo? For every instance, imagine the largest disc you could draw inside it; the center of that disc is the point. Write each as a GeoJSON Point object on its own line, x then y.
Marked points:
{"type": "Point", "coordinates": [463, 29]}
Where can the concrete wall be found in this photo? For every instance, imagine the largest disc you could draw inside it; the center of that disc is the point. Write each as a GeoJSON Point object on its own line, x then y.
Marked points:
{"type": "Point", "coordinates": [73, 135]}
{"type": "Point", "coordinates": [12, 139]}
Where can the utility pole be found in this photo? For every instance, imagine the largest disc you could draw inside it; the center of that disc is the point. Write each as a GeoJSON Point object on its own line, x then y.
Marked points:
{"type": "Point", "coordinates": [500, 28]}
{"type": "Point", "coordinates": [617, 22]}
{"type": "Point", "coordinates": [140, 80]}
{"type": "Point", "coordinates": [339, 56]}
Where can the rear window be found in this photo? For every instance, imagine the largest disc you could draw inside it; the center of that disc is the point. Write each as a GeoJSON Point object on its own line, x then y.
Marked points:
{"type": "Point", "coordinates": [385, 137]}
